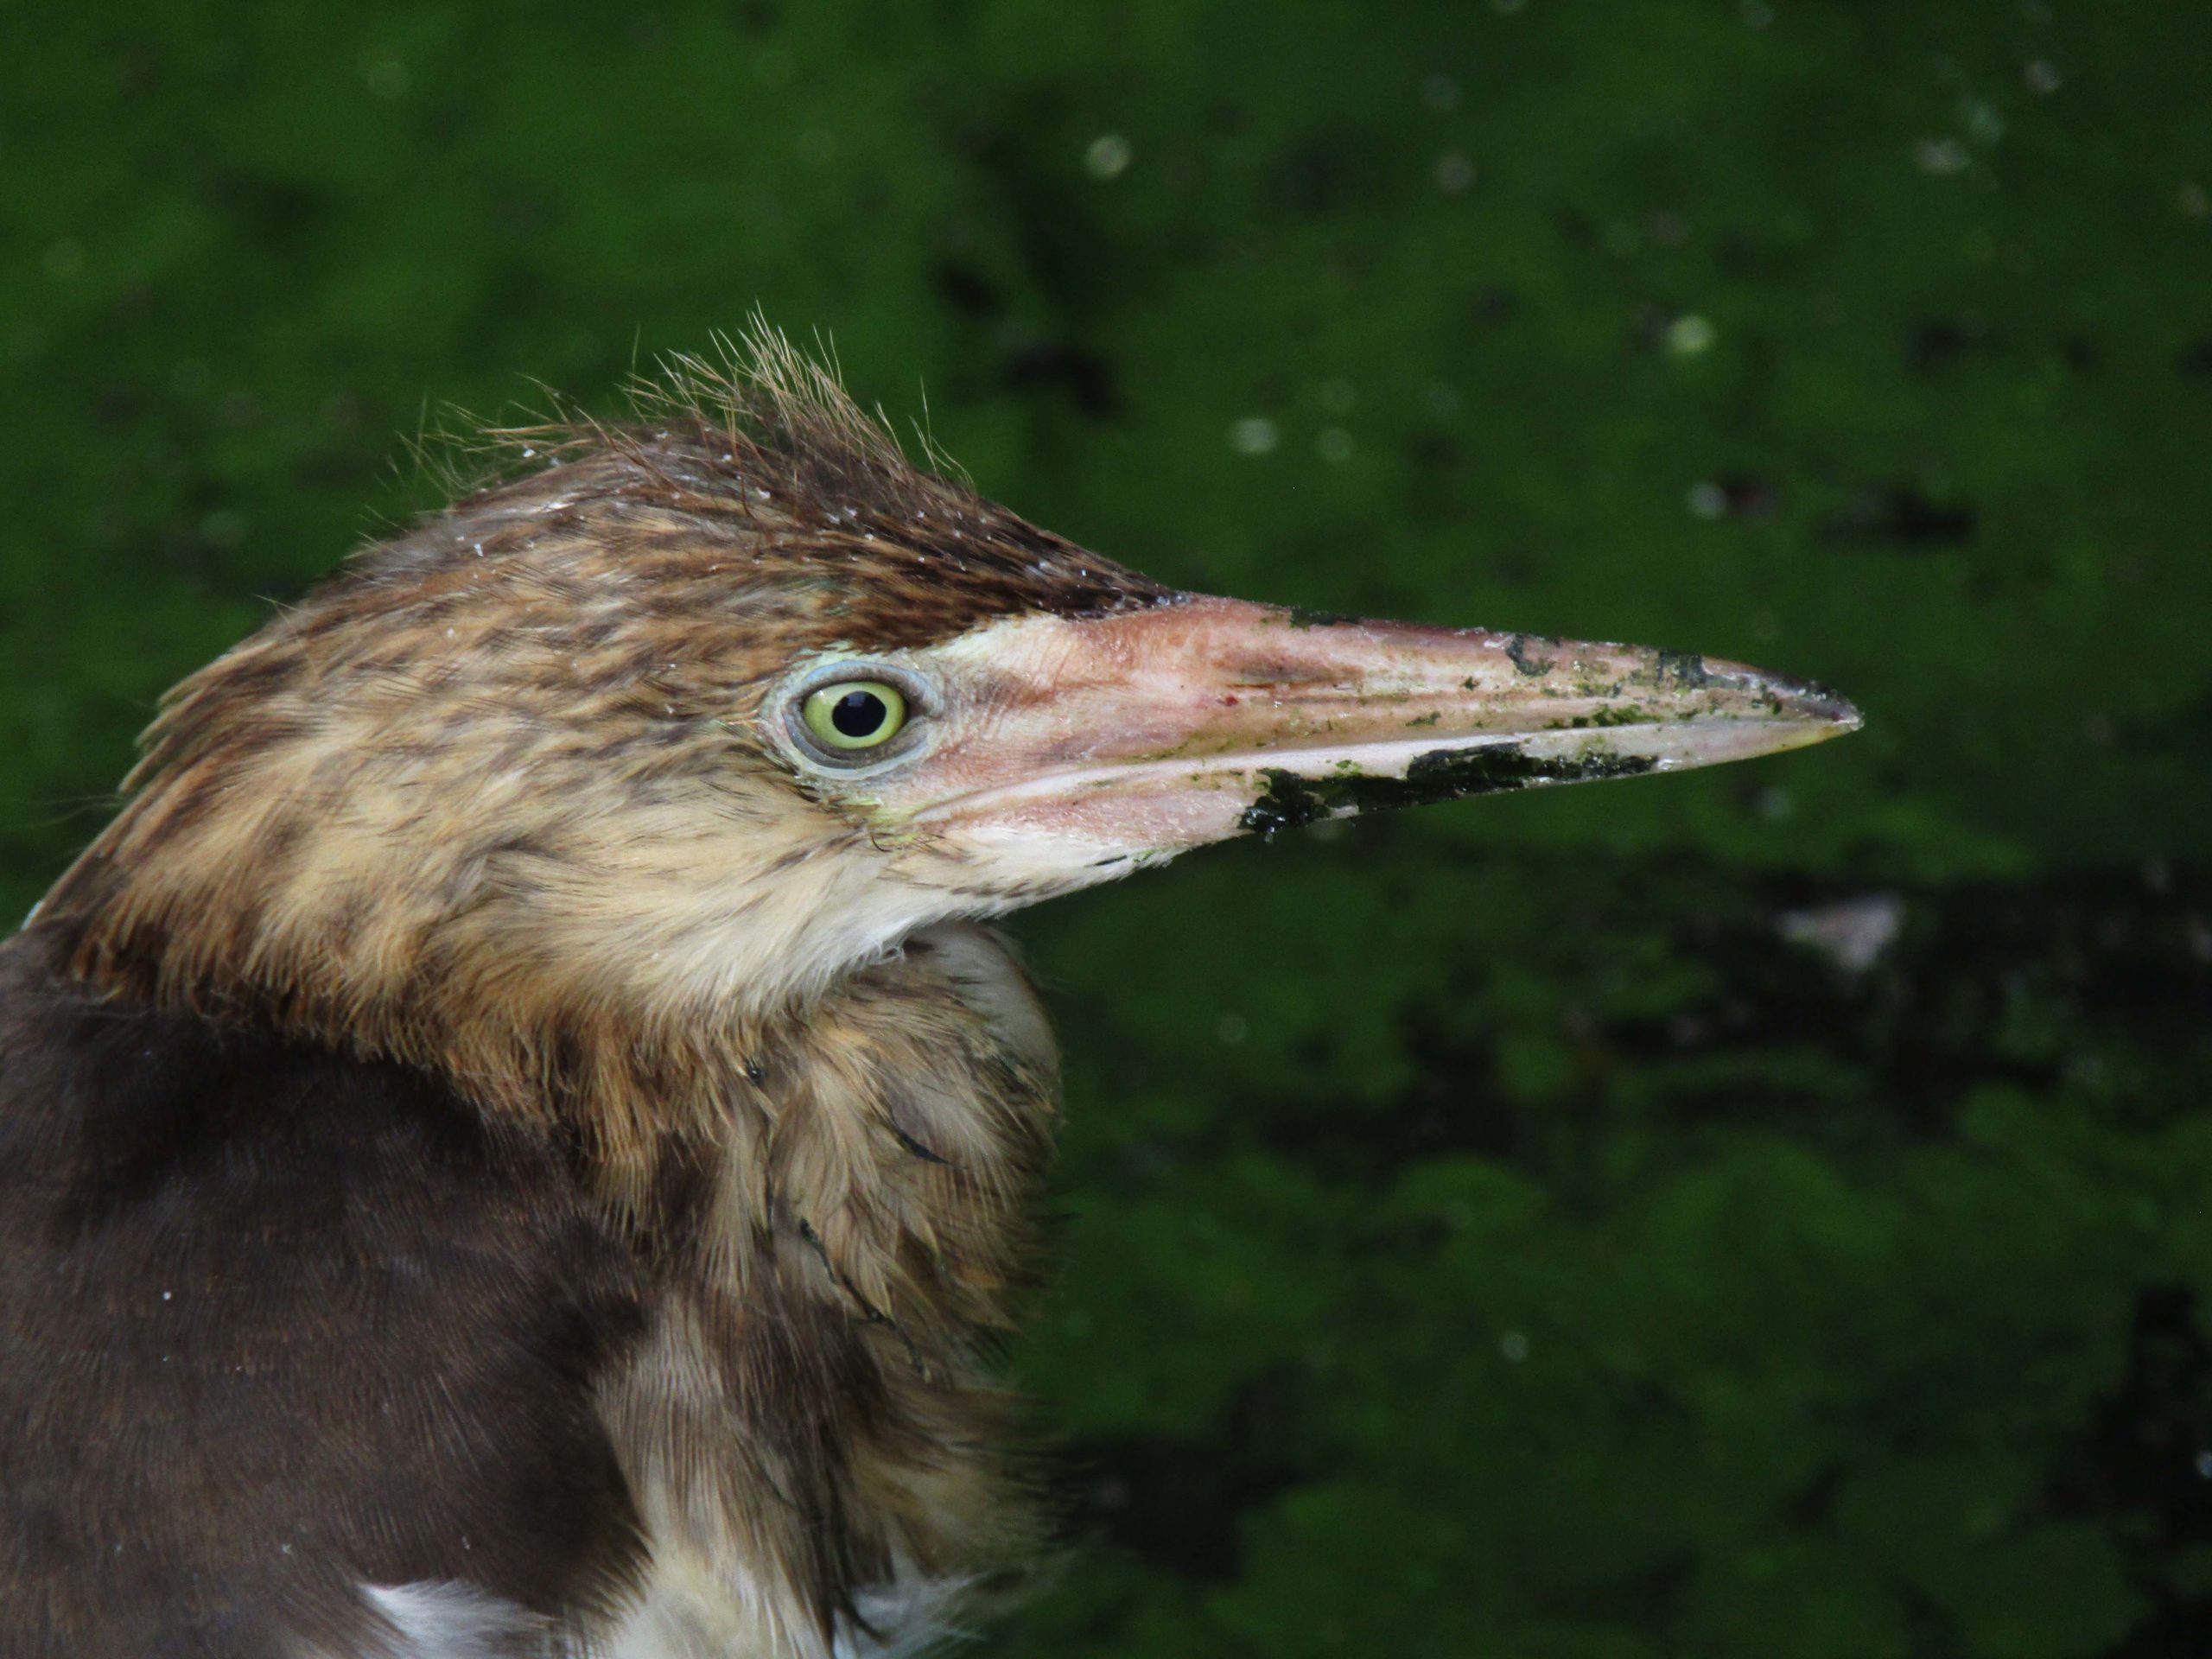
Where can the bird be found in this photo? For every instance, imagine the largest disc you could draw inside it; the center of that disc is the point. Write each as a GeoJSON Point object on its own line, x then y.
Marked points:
{"type": "Point", "coordinates": [519, 1137]}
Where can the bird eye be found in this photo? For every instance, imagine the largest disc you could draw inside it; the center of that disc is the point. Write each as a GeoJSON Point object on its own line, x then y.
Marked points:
{"type": "Point", "coordinates": [849, 715]}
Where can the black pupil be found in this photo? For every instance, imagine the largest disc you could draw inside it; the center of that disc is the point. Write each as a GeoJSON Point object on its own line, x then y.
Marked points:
{"type": "Point", "coordinates": [859, 713]}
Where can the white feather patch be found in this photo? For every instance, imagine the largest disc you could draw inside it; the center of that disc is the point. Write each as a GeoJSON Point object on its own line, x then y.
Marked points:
{"type": "Point", "coordinates": [455, 1621]}
{"type": "Point", "coordinates": [908, 1617]}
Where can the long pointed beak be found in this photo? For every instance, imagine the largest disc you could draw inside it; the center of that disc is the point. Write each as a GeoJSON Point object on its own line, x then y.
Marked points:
{"type": "Point", "coordinates": [1172, 727]}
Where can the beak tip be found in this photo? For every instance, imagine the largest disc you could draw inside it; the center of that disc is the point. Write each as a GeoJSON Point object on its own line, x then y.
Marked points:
{"type": "Point", "coordinates": [1804, 702]}
{"type": "Point", "coordinates": [1839, 714]}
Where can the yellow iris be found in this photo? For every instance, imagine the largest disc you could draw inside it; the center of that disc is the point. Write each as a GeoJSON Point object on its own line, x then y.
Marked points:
{"type": "Point", "coordinates": [855, 713]}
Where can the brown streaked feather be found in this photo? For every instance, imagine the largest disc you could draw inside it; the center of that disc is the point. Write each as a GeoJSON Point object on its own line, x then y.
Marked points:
{"type": "Point", "coordinates": [379, 830]}
{"type": "Point", "coordinates": [604, 622]}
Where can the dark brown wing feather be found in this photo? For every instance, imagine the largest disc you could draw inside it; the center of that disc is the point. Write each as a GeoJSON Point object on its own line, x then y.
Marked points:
{"type": "Point", "coordinates": [273, 1322]}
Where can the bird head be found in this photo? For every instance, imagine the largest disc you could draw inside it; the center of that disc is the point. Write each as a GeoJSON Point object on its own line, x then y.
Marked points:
{"type": "Point", "coordinates": [696, 714]}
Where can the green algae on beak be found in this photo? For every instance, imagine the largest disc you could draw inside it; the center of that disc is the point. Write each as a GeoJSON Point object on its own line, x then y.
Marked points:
{"type": "Point", "coordinates": [1291, 801]}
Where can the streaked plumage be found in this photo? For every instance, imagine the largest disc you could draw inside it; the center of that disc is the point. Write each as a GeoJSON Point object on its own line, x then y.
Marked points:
{"type": "Point", "coordinates": [506, 1146]}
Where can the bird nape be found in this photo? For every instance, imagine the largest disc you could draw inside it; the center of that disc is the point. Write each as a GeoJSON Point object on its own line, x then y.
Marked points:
{"type": "Point", "coordinates": [515, 1140]}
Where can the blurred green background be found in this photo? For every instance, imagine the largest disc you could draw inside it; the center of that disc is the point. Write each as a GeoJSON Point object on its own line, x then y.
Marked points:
{"type": "Point", "coordinates": [1755, 1213]}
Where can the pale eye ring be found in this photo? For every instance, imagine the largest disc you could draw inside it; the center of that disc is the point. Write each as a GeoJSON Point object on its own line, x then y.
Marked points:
{"type": "Point", "coordinates": [854, 718]}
